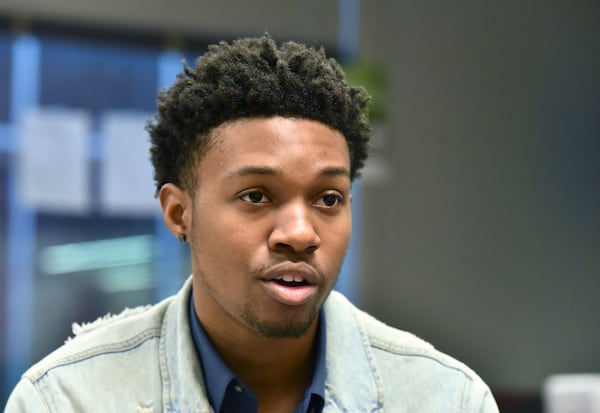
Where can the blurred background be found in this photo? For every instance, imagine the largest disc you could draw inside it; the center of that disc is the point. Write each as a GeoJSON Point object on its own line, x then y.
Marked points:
{"type": "Point", "coordinates": [477, 219]}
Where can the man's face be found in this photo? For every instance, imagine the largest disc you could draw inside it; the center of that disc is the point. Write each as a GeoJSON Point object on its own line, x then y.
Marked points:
{"type": "Point", "coordinates": [270, 224]}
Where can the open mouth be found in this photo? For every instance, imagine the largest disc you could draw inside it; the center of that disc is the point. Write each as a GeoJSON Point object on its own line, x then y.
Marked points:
{"type": "Point", "coordinates": [291, 289]}
{"type": "Point", "coordinates": [290, 281]}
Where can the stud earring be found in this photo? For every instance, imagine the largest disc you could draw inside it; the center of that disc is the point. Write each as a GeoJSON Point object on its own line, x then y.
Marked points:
{"type": "Point", "coordinates": [181, 238]}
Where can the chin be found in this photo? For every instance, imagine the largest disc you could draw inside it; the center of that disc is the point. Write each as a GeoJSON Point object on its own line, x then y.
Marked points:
{"type": "Point", "coordinates": [288, 328]}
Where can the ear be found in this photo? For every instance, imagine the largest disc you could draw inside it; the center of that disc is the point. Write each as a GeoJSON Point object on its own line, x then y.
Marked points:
{"type": "Point", "coordinates": [176, 207]}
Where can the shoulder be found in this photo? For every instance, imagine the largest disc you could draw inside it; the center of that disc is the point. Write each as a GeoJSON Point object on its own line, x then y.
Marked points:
{"type": "Point", "coordinates": [113, 353]}
{"type": "Point", "coordinates": [408, 367]}
{"type": "Point", "coordinates": [110, 334]}
{"type": "Point", "coordinates": [393, 341]}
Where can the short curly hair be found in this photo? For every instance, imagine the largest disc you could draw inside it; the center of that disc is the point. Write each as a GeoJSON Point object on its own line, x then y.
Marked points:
{"type": "Point", "coordinates": [251, 78]}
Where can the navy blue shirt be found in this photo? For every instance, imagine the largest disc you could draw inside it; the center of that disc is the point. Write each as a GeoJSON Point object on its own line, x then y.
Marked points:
{"type": "Point", "coordinates": [227, 393]}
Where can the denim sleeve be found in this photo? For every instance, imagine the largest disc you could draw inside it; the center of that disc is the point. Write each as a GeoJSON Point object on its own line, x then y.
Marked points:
{"type": "Point", "coordinates": [26, 398]}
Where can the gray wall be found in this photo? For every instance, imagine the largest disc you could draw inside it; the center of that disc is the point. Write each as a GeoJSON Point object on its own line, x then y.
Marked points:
{"type": "Point", "coordinates": [482, 232]}
{"type": "Point", "coordinates": [310, 19]}
{"type": "Point", "coordinates": [485, 237]}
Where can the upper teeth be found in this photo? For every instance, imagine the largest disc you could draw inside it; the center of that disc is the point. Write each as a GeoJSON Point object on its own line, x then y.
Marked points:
{"type": "Point", "coordinates": [290, 278]}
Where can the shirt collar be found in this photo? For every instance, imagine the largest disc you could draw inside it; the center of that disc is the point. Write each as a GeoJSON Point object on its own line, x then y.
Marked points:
{"type": "Point", "coordinates": [222, 382]}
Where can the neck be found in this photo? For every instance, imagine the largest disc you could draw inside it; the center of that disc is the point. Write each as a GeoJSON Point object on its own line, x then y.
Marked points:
{"type": "Point", "coordinates": [278, 370]}
{"type": "Point", "coordinates": [267, 364]}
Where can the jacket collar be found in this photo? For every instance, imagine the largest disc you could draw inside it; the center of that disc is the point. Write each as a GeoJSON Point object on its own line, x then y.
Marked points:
{"type": "Point", "coordinates": [184, 389]}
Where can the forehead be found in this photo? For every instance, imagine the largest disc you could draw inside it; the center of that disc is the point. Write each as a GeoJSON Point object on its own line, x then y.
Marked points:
{"type": "Point", "coordinates": [279, 143]}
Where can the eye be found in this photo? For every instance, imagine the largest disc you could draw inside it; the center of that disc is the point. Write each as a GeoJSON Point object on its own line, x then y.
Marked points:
{"type": "Point", "coordinates": [254, 197]}
{"type": "Point", "coordinates": [330, 200]}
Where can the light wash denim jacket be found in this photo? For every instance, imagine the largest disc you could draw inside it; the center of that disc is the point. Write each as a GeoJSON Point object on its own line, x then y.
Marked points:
{"type": "Point", "coordinates": [144, 361]}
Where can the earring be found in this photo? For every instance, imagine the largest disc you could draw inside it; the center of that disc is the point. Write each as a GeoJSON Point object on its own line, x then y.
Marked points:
{"type": "Point", "coordinates": [181, 238]}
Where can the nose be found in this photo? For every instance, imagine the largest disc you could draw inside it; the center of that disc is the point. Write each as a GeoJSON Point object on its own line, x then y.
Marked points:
{"type": "Point", "coordinates": [294, 230]}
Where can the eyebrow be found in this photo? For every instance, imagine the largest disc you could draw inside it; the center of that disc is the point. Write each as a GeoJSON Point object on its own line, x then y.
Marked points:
{"type": "Point", "coordinates": [266, 170]}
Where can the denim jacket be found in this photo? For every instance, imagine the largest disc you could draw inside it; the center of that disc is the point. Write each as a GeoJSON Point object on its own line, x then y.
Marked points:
{"type": "Point", "coordinates": [144, 361]}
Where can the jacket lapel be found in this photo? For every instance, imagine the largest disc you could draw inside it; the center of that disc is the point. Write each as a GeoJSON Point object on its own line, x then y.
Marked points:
{"type": "Point", "coordinates": [352, 381]}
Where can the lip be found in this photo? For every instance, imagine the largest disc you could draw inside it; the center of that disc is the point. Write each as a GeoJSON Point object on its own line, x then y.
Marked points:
{"type": "Point", "coordinates": [289, 295]}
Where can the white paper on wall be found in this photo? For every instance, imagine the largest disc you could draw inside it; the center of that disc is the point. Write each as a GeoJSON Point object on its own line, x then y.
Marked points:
{"type": "Point", "coordinates": [53, 172]}
{"type": "Point", "coordinates": [126, 177]}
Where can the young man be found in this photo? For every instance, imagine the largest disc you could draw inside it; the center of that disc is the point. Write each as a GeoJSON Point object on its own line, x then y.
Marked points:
{"type": "Point", "coordinates": [254, 152]}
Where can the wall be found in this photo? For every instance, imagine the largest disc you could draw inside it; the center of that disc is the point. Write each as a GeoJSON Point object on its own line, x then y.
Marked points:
{"type": "Point", "coordinates": [309, 20]}
{"type": "Point", "coordinates": [485, 237]}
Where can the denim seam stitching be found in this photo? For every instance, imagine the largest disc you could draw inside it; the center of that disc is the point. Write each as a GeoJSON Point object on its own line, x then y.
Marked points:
{"type": "Point", "coordinates": [425, 356]}
{"type": "Point", "coordinates": [120, 347]}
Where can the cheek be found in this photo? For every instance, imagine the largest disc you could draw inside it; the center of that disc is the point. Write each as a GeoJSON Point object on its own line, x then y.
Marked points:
{"type": "Point", "coordinates": [224, 242]}
{"type": "Point", "coordinates": [337, 242]}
